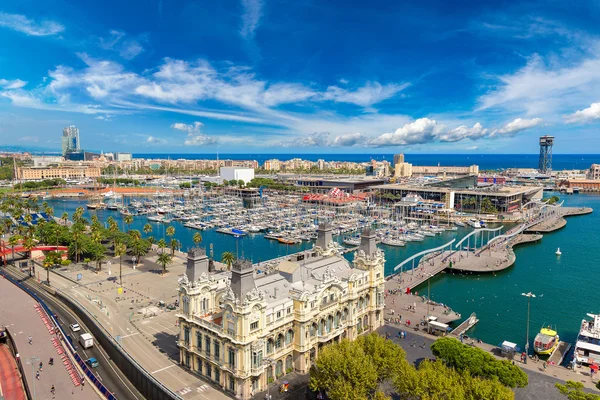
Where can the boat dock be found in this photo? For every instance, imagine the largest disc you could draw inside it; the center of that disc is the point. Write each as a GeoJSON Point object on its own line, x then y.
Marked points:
{"type": "Point", "coordinates": [559, 353]}
{"type": "Point", "coordinates": [465, 325]}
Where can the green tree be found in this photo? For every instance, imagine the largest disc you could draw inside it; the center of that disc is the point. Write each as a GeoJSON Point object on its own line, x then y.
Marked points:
{"type": "Point", "coordinates": [64, 218]}
{"type": "Point", "coordinates": [174, 244]}
{"type": "Point", "coordinates": [197, 238]}
{"type": "Point", "coordinates": [13, 241]}
{"type": "Point", "coordinates": [478, 362]}
{"type": "Point", "coordinates": [52, 258]}
{"type": "Point", "coordinates": [574, 391]}
{"type": "Point", "coordinates": [139, 248]}
{"type": "Point", "coordinates": [120, 251]}
{"type": "Point", "coordinates": [28, 245]}
{"type": "Point", "coordinates": [128, 220]}
{"type": "Point", "coordinates": [161, 245]}
{"type": "Point", "coordinates": [97, 253]}
{"type": "Point", "coordinates": [77, 231]}
{"type": "Point", "coordinates": [170, 232]}
{"type": "Point", "coordinates": [343, 371]}
{"type": "Point", "coordinates": [164, 259]}
{"type": "Point", "coordinates": [228, 258]}
{"type": "Point", "coordinates": [147, 229]}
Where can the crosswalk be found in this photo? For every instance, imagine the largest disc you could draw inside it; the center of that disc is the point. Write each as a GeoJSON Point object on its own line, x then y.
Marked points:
{"type": "Point", "coordinates": [199, 389]}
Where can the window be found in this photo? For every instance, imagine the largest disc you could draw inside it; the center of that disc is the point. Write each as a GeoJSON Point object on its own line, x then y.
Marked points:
{"type": "Point", "coordinates": [217, 375]}
{"type": "Point", "coordinates": [204, 305]}
{"type": "Point", "coordinates": [278, 314]}
{"type": "Point", "coordinates": [231, 357]}
{"type": "Point", "coordinates": [257, 359]}
{"type": "Point", "coordinates": [199, 340]}
{"type": "Point", "coordinates": [331, 297]}
{"type": "Point", "coordinates": [217, 350]}
{"type": "Point", "coordinates": [289, 310]}
{"type": "Point", "coordinates": [232, 383]}
{"type": "Point", "coordinates": [254, 326]}
{"type": "Point", "coordinates": [208, 370]}
{"type": "Point", "coordinates": [378, 274]}
{"type": "Point", "coordinates": [186, 335]}
{"type": "Point", "coordinates": [278, 341]}
{"type": "Point", "coordinates": [312, 304]}
{"type": "Point", "coordinates": [207, 345]}
{"type": "Point", "coordinates": [269, 346]}
{"type": "Point", "coordinates": [186, 305]}
{"type": "Point", "coordinates": [288, 336]}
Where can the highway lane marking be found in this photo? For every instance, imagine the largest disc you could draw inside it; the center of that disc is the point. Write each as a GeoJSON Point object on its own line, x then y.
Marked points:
{"type": "Point", "coordinates": [162, 369]}
{"type": "Point", "coordinates": [131, 334]}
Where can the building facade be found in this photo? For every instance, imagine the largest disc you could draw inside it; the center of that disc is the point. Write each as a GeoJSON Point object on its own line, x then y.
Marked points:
{"type": "Point", "coordinates": [594, 172]}
{"type": "Point", "coordinates": [244, 328]}
{"type": "Point", "coordinates": [75, 172]}
{"type": "Point", "coordinates": [70, 140]}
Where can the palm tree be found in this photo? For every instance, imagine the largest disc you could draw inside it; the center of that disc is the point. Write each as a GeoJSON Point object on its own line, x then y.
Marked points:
{"type": "Point", "coordinates": [138, 249]}
{"type": "Point", "coordinates": [170, 231]}
{"type": "Point", "coordinates": [174, 246]}
{"type": "Point", "coordinates": [197, 238]}
{"type": "Point", "coordinates": [98, 253]}
{"type": "Point", "coordinates": [120, 250]}
{"type": "Point", "coordinates": [128, 220]}
{"type": "Point", "coordinates": [164, 259]}
{"type": "Point", "coordinates": [28, 218]}
{"type": "Point", "coordinates": [77, 230]}
{"type": "Point", "coordinates": [13, 241]}
{"type": "Point", "coordinates": [227, 258]}
{"type": "Point", "coordinates": [162, 244]}
{"type": "Point", "coordinates": [64, 218]}
{"type": "Point", "coordinates": [28, 245]}
{"type": "Point", "coordinates": [147, 229]}
{"type": "Point", "coordinates": [52, 259]}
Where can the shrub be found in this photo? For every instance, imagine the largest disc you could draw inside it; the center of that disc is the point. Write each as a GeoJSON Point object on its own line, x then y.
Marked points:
{"type": "Point", "coordinates": [478, 362]}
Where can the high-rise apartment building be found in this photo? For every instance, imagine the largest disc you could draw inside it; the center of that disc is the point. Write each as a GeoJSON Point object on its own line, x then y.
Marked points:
{"type": "Point", "coordinates": [398, 159]}
{"type": "Point", "coordinates": [70, 140]}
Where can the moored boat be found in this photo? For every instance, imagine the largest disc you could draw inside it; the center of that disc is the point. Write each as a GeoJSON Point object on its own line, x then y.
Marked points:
{"type": "Point", "coordinates": [587, 347]}
{"type": "Point", "coordinates": [545, 341]}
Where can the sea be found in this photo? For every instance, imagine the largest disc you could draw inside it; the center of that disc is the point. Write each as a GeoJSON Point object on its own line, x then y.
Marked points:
{"type": "Point", "coordinates": [565, 286]}
{"type": "Point", "coordinates": [484, 161]}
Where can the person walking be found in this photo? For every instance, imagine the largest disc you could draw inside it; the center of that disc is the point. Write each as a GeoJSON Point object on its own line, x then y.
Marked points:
{"type": "Point", "coordinates": [37, 375]}
{"type": "Point", "coordinates": [41, 365]}
{"type": "Point", "coordinates": [30, 340]}
{"type": "Point", "coordinates": [52, 390]}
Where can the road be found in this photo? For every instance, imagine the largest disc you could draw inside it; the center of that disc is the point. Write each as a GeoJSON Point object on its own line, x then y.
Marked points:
{"type": "Point", "coordinates": [107, 372]}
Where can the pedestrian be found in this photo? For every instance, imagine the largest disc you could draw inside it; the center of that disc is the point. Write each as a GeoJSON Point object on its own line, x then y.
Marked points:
{"type": "Point", "coordinates": [37, 375]}
{"type": "Point", "coordinates": [30, 340]}
{"type": "Point", "coordinates": [82, 382]}
{"type": "Point", "coordinates": [52, 390]}
{"type": "Point", "coordinates": [41, 365]}
{"type": "Point", "coordinates": [545, 365]}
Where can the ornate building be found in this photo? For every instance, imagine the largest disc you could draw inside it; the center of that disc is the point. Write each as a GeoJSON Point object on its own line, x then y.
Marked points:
{"type": "Point", "coordinates": [244, 328]}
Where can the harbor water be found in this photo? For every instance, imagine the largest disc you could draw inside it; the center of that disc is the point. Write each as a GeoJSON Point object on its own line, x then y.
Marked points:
{"type": "Point", "coordinates": [565, 285]}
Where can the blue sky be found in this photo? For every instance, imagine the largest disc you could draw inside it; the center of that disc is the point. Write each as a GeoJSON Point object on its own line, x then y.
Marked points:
{"type": "Point", "coordinates": [159, 76]}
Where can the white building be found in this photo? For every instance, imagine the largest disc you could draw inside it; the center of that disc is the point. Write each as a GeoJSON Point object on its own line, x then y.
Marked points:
{"type": "Point", "coordinates": [123, 157]}
{"type": "Point", "coordinates": [231, 173]}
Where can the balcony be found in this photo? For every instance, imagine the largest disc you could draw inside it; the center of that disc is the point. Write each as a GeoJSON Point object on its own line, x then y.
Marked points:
{"type": "Point", "coordinates": [184, 344]}
{"type": "Point", "coordinates": [325, 337]}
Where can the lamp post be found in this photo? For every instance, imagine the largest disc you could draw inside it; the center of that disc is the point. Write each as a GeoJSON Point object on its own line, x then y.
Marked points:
{"type": "Point", "coordinates": [34, 362]}
{"type": "Point", "coordinates": [268, 362]}
{"type": "Point", "coordinates": [429, 275]}
{"type": "Point", "coordinates": [529, 296]}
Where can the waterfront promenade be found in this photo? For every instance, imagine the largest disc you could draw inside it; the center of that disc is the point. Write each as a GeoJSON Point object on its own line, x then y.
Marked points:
{"type": "Point", "coordinates": [145, 330]}
{"type": "Point", "coordinates": [18, 313]}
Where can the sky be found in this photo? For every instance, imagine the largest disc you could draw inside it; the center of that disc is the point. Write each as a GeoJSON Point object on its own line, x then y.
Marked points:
{"type": "Point", "coordinates": [302, 76]}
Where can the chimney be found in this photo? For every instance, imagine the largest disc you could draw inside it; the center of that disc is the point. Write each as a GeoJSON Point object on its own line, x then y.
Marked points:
{"type": "Point", "coordinates": [324, 235]}
{"type": "Point", "coordinates": [197, 263]}
{"type": "Point", "coordinates": [367, 242]}
{"type": "Point", "coordinates": [242, 277]}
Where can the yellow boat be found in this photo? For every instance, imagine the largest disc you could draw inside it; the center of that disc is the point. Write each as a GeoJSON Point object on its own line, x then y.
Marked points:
{"type": "Point", "coordinates": [546, 341]}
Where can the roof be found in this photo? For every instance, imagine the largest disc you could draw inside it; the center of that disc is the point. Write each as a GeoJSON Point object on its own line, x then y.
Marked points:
{"type": "Point", "coordinates": [288, 267]}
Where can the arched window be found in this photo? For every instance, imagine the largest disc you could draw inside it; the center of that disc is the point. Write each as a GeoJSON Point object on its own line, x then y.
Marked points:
{"type": "Point", "coordinates": [288, 363]}
{"type": "Point", "coordinates": [279, 341]}
{"type": "Point", "coordinates": [321, 327]}
{"type": "Point", "coordinates": [279, 368]}
{"type": "Point", "coordinates": [329, 323]}
{"type": "Point", "coordinates": [288, 336]}
{"type": "Point", "coordinates": [269, 346]}
{"type": "Point", "coordinates": [359, 325]}
{"type": "Point", "coordinates": [366, 321]}
{"type": "Point", "coordinates": [336, 321]}
{"type": "Point", "coordinates": [367, 300]}
{"type": "Point", "coordinates": [186, 305]}
{"type": "Point", "coordinates": [313, 329]}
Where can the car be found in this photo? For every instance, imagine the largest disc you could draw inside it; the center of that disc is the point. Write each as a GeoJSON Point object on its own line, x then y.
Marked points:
{"type": "Point", "coordinates": [92, 362]}
{"type": "Point", "coordinates": [75, 327]}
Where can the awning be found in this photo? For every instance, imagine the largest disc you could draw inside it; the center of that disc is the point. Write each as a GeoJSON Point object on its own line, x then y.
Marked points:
{"type": "Point", "coordinates": [588, 346]}
{"type": "Point", "coordinates": [438, 325]}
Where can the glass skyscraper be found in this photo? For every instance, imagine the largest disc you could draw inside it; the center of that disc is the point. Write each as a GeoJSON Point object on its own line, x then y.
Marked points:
{"type": "Point", "coordinates": [70, 140]}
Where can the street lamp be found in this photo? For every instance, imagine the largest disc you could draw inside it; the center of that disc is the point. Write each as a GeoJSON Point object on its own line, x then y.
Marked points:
{"type": "Point", "coordinates": [429, 275]}
{"type": "Point", "coordinates": [268, 361]}
{"type": "Point", "coordinates": [34, 362]}
{"type": "Point", "coordinates": [529, 296]}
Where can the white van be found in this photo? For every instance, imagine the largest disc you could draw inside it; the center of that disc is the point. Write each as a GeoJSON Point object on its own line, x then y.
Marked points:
{"type": "Point", "coordinates": [86, 340]}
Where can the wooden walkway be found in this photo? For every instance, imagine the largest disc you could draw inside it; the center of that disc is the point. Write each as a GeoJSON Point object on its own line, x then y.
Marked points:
{"type": "Point", "coordinates": [465, 325]}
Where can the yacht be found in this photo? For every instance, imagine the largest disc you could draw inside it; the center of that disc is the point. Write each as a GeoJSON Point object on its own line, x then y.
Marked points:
{"type": "Point", "coordinates": [474, 223]}
{"type": "Point", "coordinates": [587, 347]}
{"type": "Point", "coordinates": [351, 241]}
{"type": "Point", "coordinates": [393, 242]}
{"type": "Point", "coordinates": [460, 223]}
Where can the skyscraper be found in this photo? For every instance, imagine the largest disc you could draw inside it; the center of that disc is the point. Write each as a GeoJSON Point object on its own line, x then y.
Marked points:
{"type": "Point", "coordinates": [70, 140]}
{"type": "Point", "coordinates": [398, 158]}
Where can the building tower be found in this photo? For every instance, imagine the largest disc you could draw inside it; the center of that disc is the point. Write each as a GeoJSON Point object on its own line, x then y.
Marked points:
{"type": "Point", "coordinates": [70, 140]}
{"type": "Point", "coordinates": [545, 163]}
{"type": "Point", "coordinates": [398, 159]}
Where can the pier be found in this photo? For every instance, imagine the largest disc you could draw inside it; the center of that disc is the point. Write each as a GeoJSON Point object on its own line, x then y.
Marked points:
{"type": "Point", "coordinates": [465, 325]}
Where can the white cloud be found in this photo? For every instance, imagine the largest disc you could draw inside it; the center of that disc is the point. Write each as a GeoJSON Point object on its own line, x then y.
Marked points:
{"type": "Point", "coordinates": [106, 117]}
{"type": "Point", "coordinates": [423, 130]}
{"type": "Point", "coordinates": [472, 148]}
{"type": "Point", "coordinates": [589, 114]}
{"type": "Point", "coordinates": [155, 140]}
{"type": "Point", "coordinates": [25, 25]}
{"type": "Point", "coordinates": [546, 86]}
{"type": "Point", "coordinates": [325, 139]}
{"type": "Point", "coordinates": [29, 139]}
{"type": "Point", "coordinates": [344, 81]}
{"type": "Point", "coordinates": [516, 126]}
{"type": "Point", "coordinates": [190, 129]}
{"type": "Point", "coordinates": [200, 140]}
{"type": "Point", "coordinates": [251, 17]}
{"type": "Point", "coordinates": [118, 41]}
{"type": "Point", "coordinates": [366, 96]}
{"type": "Point", "coordinates": [463, 132]}
{"type": "Point", "coordinates": [14, 84]}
